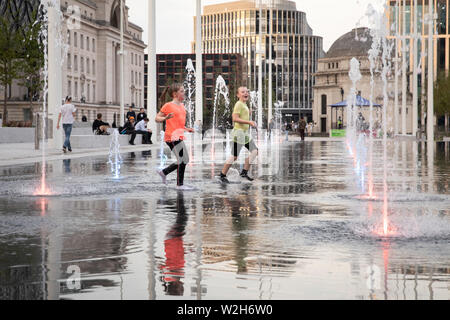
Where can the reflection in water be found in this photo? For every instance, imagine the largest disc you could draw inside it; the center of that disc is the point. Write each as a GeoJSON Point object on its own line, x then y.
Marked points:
{"type": "Point", "coordinates": [275, 238]}
{"type": "Point", "coordinates": [173, 269]}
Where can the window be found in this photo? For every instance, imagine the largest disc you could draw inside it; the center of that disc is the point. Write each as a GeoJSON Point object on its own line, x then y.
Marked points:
{"type": "Point", "coordinates": [88, 92]}
{"type": "Point", "coordinates": [88, 66]}
{"type": "Point", "coordinates": [69, 61]}
{"type": "Point", "coordinates": [93, 45]}
{"type": "Point", "coordinates": [93, 67]}
{"type": "Point", "coordinates": [87, 43]}
{"type": "Point", "coordinates": [76, 91]}
{"type": "Point", "coordinates": [75, 62]}
{"type": "Point", "coordinates": [69, 88]}
{"type": "Point", "coordinates": [75, 39]}
{"type": "Point", "coordinates": [81, 41]}
{"type": "Point", "coordinates": [82, 64]}
{"type": "Point", "coordinates": [68, 37]}
{"type": "Point", "coordinates": [324, 104]}
{"type": "Point", "coordinates": [93, 93]}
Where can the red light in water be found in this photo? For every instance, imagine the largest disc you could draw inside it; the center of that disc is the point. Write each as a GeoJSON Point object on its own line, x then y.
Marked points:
{"type": "Point", "coordinates": [43, 190]}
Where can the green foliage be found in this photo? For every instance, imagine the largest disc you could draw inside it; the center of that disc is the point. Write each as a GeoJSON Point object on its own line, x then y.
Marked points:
{"type": "Point", "coordinates": [10, 46]}
{"type": "Point", "coordinates": [32, 55]}
{"type": "Point", "coordinates": [21, 54]}
{"type": "Point", "coordinates": [442, 95]}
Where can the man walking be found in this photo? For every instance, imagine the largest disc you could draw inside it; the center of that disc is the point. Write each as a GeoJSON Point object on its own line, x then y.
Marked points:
{"type": "Point", "coordinates": [302, 127]}
{"type": "Point", "coordinates": [67, 114]}
{"type": "Point", "coordinates": [241, 136]}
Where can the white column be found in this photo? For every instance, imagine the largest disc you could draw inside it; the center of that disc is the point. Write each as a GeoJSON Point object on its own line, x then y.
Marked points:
{"type": "Point", "coordinates": [122, 70]}
{"type": "Point", "coordinates": [415, 106]}
{"type": "Point", "coordinates": [260, 71]}
{"type": "Point", "coordinates": [269, 94]}
{"type": "Point", "coordinates": [404, 81]}
{"type": "Point", "coordinates": [152, 94]}
{"type": "Point", "coordinates": [199, 65]}
{"type": "Point", "coordinates": [54, 74]}
{"type": "Point", "coordinates": [397, 35]}
{"type": "Point", "coordinates": [430, 98]}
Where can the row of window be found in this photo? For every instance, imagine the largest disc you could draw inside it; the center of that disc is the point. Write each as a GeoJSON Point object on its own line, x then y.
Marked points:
{"type": "Point", "coordinates": [136, 59]}
{"type": "Point", "coordinates": [82, 95]}
{"type": "Point", "coordinates": [85, 64]}
{"type": "Point", "coordinates": [244, 22]}
{"type": "Point", "coordinates": [85, 42]}
{"type": "Point", "coordinates": [135, 76]}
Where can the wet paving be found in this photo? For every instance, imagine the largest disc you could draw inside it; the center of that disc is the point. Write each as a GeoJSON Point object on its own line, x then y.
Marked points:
{"type": "Point", "coordinates": [303, 230]}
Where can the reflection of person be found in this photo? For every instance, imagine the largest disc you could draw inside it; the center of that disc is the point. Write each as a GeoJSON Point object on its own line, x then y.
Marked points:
{"type": "Point", "coordinates": [174, 115]}
{"type": "Point", "coordinates": [173, 269]}
{"type": "Point", "coordinates": [241, 136]}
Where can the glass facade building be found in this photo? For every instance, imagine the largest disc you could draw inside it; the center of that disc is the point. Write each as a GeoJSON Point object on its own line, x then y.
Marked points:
{"type": "Point", "coordinates": [399, 25]}
{"type": "Point", "coordinates": [235, 27]}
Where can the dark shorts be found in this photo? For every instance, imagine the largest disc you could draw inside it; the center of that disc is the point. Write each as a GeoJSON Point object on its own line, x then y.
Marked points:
{"type": "Point", "coordinates": [237, 147]}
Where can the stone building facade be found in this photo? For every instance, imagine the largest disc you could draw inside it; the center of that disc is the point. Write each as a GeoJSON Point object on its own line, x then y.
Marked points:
{"type": "Point", "coordinates": [91, 69]}
{"type": "Point", "coordinates": [333, 84]}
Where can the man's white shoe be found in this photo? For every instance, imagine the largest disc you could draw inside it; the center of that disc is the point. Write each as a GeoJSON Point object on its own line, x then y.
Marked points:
{"type": "Point", "coordinates": [163, 176]}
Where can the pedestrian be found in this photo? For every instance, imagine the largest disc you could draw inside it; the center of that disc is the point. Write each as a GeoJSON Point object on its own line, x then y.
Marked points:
{"type": "Point", "coordinates": [67, 114]}
{"type": "Point", "coordinates": [141, 128]}
{"type": "Point", "coordinates": [302, 127]}
{"type": "Point", "coordinates": [174, 115]}
{"type": "Point", "coordinates": [99, 127]}
{"type": "Point", "coordinates": [131, 113]}
{"type": "Point", "coordinates": [241, 136]}
{"type": "Point", "coordinates": [129, 129]}
{"type": "Point", "coordinates": [141, 115]}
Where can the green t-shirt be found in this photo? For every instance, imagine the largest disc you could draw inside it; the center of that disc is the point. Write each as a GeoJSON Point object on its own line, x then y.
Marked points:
{"type": "Point", "coordinates": [241, 132]}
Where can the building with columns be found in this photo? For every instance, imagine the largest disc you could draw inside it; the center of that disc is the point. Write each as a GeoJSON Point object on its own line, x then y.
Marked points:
{"type": "Point", "coordinates": [333, 84]}
{"type": "Point", "coordinates": [91, 69]}
{"type": "Point", "coordinates": [235, 27]}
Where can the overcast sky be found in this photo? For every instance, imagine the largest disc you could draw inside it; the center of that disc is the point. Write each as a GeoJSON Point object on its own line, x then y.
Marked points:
{"type": "Point", "coordinates": [175, 25]}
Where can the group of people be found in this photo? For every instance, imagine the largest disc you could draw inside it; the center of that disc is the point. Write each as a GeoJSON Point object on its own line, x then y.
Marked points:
{"type": "Point", "coordinates": [173, 114]}
{"type": "Point", "coordinates": [136, 124]}
{"type": "Point", "coordinates": [302, 127]}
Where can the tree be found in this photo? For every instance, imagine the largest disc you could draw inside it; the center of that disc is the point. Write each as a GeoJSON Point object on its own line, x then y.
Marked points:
{"type": "Point", "coordinates": [442, 97]}
{"type": "Point", "coordinates": [10, 43]}
{"type": "Point", "coordinates": [32, 57]}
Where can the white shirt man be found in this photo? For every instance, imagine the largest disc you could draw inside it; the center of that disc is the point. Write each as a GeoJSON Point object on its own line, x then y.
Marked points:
{"type": "Point", "coordinates": [141, 128]}
{"type": "Point", "coordinates": [67, 114]}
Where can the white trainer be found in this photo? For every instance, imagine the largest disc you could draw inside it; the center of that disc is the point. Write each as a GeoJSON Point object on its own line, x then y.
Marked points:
{"type": "Point", "coordinates": [162, 175]}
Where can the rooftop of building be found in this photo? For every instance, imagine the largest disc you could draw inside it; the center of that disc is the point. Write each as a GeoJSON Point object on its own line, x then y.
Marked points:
{"type": "Point", "coordinates": [248, 5]}
{"type": "Point", "coordinates": [352, 44]}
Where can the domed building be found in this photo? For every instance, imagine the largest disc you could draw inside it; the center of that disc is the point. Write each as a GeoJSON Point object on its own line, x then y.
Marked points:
{"type": "Point", "coordinates": [333, 84]}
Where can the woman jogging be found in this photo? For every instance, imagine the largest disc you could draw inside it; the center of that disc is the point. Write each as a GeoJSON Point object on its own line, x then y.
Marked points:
{"type": "Point", "coordinates": [174, 114]}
